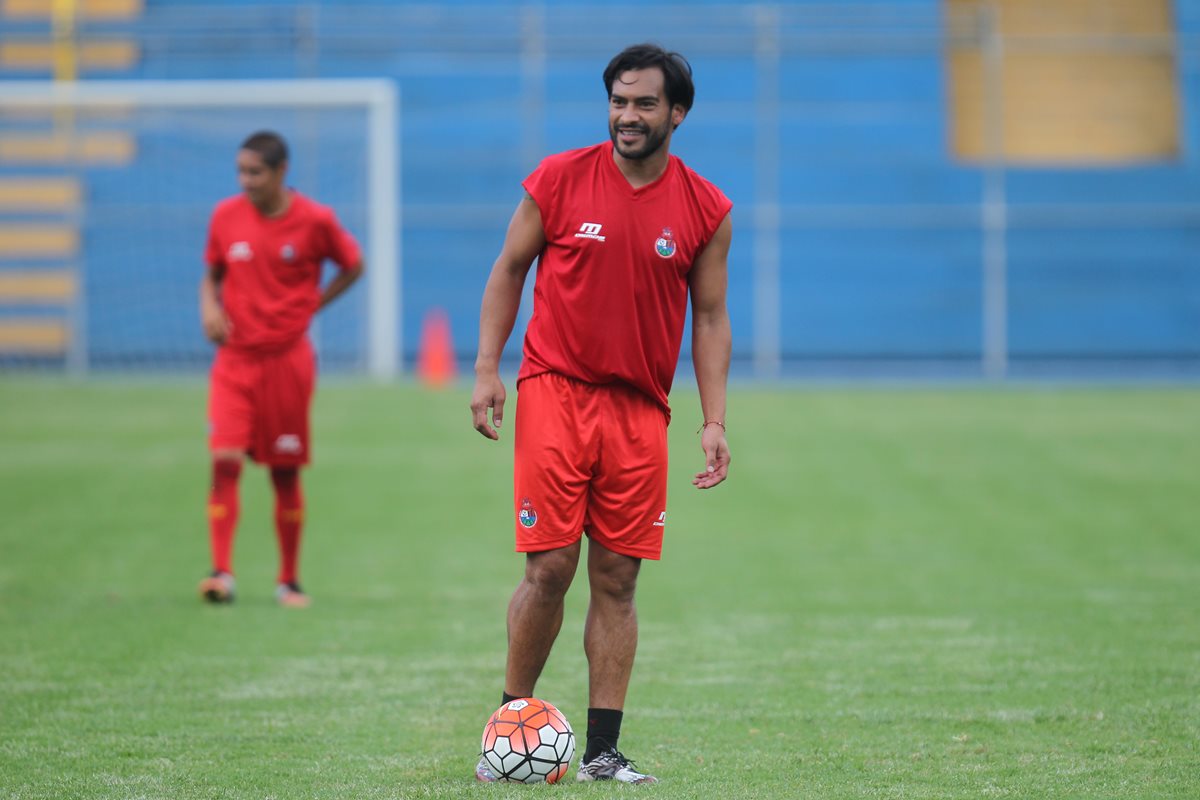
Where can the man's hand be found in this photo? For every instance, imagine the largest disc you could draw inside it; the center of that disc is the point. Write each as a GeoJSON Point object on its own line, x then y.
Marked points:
{"type": "Point", "coordinates": [716, 457]}
{"type": "Point", "coordinates": [489, 393]}
{"type": "Point", "coordinates": [217, 326]}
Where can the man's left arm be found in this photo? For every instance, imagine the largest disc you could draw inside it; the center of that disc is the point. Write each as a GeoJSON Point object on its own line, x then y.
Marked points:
{"type": "Point", "coordinates": [711, 344]}
{"type": "Point", "coordinates": [341, 248]}
{"type": "Point", "coordinates": [344, 279]}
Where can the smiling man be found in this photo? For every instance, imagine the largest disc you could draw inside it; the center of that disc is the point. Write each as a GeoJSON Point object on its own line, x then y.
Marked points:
{"type": "Point", "coordinates": [624, 234]}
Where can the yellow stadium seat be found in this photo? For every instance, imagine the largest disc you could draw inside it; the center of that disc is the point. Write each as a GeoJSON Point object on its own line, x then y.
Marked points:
{"type": "Point", "coordinates": [87, 9]}
{"type": "Point", "coordinates": [37, 286]}
{"type": "Point", "coordinates": [34, 337]}
{"type": "Point", "coordinates": [1080, 100]}
{"type": "Point", "coordinates": [39, 194]}
{"type": "Point", "coordinates": [110, 148]}
{"type": "Point", "coordinates": [91, 55]}
{"type": "Point", "coordinates": [19, 241]}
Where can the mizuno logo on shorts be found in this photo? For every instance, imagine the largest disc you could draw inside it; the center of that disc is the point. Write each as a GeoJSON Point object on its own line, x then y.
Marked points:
{"type": "Point", "coordinates": [287, 443]}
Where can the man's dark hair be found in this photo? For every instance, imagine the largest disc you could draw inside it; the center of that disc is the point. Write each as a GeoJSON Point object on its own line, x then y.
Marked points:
{"type": "Point", "coordinates": [269, 145]}
{"type": "Point", "coordinates": [677, 72]}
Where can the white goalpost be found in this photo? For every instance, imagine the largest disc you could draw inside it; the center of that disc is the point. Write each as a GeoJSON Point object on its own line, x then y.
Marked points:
{"type": "Point", "coordinates": [133, 227]}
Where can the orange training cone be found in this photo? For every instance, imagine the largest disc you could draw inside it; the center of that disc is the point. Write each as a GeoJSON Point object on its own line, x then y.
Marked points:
{"type": "Point", "coordinates": [436, 366]}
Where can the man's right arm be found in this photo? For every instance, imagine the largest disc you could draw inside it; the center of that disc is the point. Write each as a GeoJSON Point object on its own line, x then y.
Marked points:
{"type": "Point", "coordinates": [212, 315]}
{"type": "Point", "coordinates": [498, 312]}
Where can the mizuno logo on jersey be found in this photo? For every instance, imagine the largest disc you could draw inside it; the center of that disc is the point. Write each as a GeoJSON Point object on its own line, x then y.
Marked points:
{"type": "Point", "coordinates": [590, 230]}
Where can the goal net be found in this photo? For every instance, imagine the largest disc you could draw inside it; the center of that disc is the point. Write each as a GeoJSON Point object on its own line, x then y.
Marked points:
{"type": "Point", "coordinates": [106, 189]}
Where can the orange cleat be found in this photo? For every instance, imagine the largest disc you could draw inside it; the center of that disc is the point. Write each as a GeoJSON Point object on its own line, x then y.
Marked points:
{"type": "Point", "coordinates": [217, 587]}
{"type": "Point", "coordinates": [290, 595]}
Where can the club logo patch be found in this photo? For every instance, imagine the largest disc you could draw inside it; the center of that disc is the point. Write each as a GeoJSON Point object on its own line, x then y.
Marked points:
{"type": "Point", "coordinates": [287, 253]}
{"type": "Point", "coordinates": [527, 516]}
{"type": "Point", "coordinates": [239, 251]}
{"type": "Point", "coordinates": [665, 244]}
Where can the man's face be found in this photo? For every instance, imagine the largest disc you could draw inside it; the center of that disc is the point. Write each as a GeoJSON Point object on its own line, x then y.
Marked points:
{"type": "Point", "coordinates": [640, 121]}
{"type": "Point", "coordinates": [261, 184]}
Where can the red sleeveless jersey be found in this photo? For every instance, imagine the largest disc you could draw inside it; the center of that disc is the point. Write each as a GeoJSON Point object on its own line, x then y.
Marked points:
{"type": "Point", "coordinates": [272, 282]}
{"type": "Point", "coordinates": [611, 291]}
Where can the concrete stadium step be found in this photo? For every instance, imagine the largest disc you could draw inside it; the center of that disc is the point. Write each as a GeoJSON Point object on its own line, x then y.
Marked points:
{"type": "Point", "coordinates": [1157, 184]}
{"type": "Point", "coordinates": [42, 121]}
{"type": "Point", "coordinates": [841, 183]}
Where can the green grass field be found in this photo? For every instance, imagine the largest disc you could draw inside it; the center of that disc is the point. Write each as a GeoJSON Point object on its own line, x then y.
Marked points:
{"type": "Point", "coordinates": [925, 593]}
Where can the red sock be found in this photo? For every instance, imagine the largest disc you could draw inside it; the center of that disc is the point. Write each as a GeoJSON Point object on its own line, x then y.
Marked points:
{"type": "Point", "coordinates": [223, 512]}
{"type": "Point", "coordinates": [289, 518]}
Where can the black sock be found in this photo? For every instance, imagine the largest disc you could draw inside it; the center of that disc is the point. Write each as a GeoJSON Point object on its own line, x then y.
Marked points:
{"type": "Point", "coordinates": [506, 698]}
{"type": "Point", "coordinates": [603, 730]}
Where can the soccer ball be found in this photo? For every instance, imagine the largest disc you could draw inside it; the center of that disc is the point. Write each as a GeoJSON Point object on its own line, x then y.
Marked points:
{"type": "Point", "coordinates": [528, 741]}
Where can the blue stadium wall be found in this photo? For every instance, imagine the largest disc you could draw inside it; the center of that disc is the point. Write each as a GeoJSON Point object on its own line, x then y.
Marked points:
{"type": "Point", "coordinates": [864, 130]}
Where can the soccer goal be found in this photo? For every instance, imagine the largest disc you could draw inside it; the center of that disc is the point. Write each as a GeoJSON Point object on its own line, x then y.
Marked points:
{"type": "Point", "coordinates": [106, 188]}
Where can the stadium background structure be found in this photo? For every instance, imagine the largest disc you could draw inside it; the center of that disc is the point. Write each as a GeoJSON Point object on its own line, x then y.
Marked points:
{"type": "Point", "coordinates": [867, 239]}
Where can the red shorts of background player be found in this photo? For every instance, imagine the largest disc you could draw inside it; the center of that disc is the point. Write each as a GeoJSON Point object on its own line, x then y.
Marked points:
{"type": "Point", "coordinates": [260, 403]}
{"type": "Point", "coordinates": [589, 459]}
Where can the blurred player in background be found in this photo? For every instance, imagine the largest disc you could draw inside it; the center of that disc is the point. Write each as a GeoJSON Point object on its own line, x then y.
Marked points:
{"type": "Point", "coordinates": [262, 286]}
{"type": "Point", "coordinates": [623, 233]}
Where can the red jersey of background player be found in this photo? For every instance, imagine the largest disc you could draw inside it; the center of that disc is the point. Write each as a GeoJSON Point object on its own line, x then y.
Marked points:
{"type": "Point", "coordinates": [272, 267]}
{"type": "Point", "coordinates": [618, 258]}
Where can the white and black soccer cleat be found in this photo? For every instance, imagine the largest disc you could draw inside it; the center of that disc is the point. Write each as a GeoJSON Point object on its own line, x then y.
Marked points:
{"type": "Point", "coordinates": [611, 765]}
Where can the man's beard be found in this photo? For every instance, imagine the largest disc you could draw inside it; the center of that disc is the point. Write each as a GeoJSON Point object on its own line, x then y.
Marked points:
{"type": "Point", "coordinates": [652, 140]}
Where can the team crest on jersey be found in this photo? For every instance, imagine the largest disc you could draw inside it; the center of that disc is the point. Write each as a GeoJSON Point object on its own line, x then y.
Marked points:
{"type": "Point", "coordinates": [527, 516]}
{"type": "Point", "coordinates": [287, 253]}
{"type": "Point", "coordinates": [239, 251]}
{"type": "Point", "coordinates": [665, 244]}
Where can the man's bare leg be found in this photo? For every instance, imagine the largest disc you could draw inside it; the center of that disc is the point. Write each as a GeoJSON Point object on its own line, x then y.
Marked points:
{"type": "Point", "coordinates": [535, 616]}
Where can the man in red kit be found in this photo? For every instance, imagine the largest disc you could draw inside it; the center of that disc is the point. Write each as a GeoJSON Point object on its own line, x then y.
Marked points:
{"type": "Point", "coordinates": [262, 286]}
{"type": "Point", "coordinates": [623, 233]}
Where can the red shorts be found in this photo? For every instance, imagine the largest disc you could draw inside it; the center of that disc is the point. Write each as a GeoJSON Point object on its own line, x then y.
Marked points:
{"type": "Point", "coordinates": [589, 459]}
{"type": "Point", "coordinates": [259, 403]}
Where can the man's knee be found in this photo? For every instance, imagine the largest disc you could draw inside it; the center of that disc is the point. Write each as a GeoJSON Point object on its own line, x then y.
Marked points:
{"type": "Point", "coordinates": [552, 571]}
{"type": "Point", "coordinates": [614, 576]}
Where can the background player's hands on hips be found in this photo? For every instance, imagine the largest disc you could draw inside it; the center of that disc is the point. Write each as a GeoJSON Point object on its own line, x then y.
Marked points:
{"type": "Point", "coordinates": [489, 393]}
{"type": "Point", "coordinates": [216, 325]}
{"type": "Point", "coordinates": [716, 458]}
